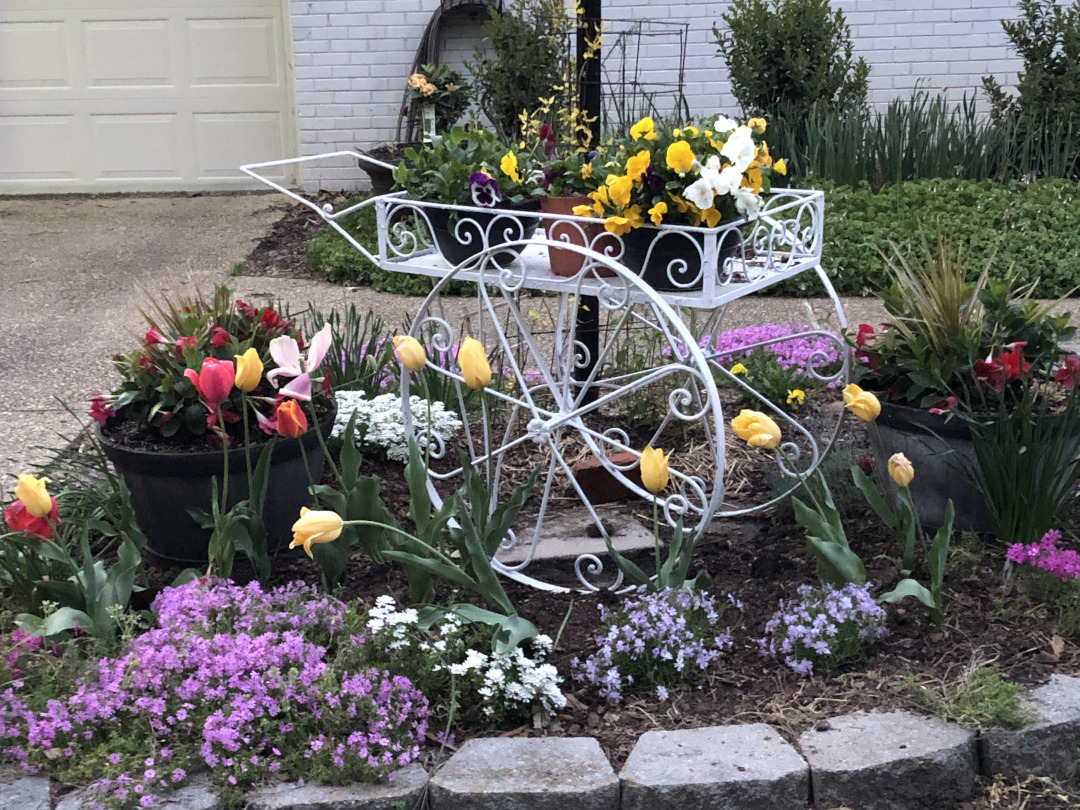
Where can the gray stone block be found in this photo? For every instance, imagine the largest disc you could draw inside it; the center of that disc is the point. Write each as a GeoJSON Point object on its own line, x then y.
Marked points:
{"type": "Point", "coordinates": [893, 761]}
{"type": "Point", "coordinates": [549, 773]}
{"type": "Point", "coordinates": [406, 792]}
{"type": "Point", "coordinates": [748, 767]}
{"type": "Point", "coordinates": [197, 794]}
{"type": "Point", "coordinates": [24, 792]}
{"type": "Point", "coordinates": [1050, 747]}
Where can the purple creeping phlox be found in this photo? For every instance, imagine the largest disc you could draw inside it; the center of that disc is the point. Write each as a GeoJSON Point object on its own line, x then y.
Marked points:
{"type": "Point", "coordinates": [1062, 563]}
{"type": "Point", "coordinates": [245, 682]}
{"type": "Point", "coordinates": [790, 354]}
{"type": "Point", "coordinates": [654, 640]}
{"type": "Point", "coordinates": [824, 627]}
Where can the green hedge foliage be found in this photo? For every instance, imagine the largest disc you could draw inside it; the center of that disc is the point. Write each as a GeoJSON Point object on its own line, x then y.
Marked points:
{"type": "Point", "coordinates": [1034, 227]}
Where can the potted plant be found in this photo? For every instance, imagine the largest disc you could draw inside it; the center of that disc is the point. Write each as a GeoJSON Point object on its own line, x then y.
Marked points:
{"type": "Point", "coordinates": [660, 180]}
{"type": "Point", "coordinates": [486, 184]}
{"type": "Point", "coordinates": [435, 91]}
{"type": "Point", "coordinates": [955, 359]}
{"type": "Point", "coordinates": [211, 383]}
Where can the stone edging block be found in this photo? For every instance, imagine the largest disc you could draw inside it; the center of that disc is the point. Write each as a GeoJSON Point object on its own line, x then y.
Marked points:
{"type": "Point", "coordinates": [542, 773]}
{"type": "Point", "coordinates": [891, 761]}
{"type": "Point", "coordinates": [25, 792]}
{"type": "Point", "coordinates": [195, 795]}
{"type": "Point", "coordinates": [1051, 747]}
{"type": "Point", "coordinates": [747, 767]}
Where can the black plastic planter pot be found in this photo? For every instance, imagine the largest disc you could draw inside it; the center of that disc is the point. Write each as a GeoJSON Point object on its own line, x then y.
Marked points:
{"type": "Point", "coordinates": [460, 235]}
{"type": "Point", "coordinates": [941, 453]}
{"type": "Point", "coordinates": [165, 485]}
{"type": "Point", "coordinates": [670, 259]}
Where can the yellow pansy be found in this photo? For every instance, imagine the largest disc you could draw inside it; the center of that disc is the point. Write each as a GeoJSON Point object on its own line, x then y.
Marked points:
{"type": "Point", "coordinates": [763, 156]}
{"type": "Point", "coordinates": [780, 167]}
{"type": "Point", "coordinates": [796, 397]}
{"type": "Point", "coordinates": [583, 211]}
{"type": "Point", "coordinates": [643, 129]}
{"type": "Point", "coordinates": [757, 124]}
{"type": "Point", "coordinates": [509, 166]}
{"type": "Point", "coordinates": [656, 213]}
{"type": "Point", "coordinates": [586, 171]}
{"type": "Point", "coordinates": [619, 188]}
{"type": "Point", "coordinates": [680, 157]}
{"type": "Point", "coordinates": [617, 225]}
{"type": "Point", "coordinates": [739, 368]}
{"type": "Point", "coordinates": [753, 179]}
{"type": "Point", "coordinates": [711, 217]}
{"type": "Point", "coordinates": [636, 166]}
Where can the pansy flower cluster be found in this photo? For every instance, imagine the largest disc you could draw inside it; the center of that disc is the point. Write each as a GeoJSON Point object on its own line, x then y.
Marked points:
{"type": "Point", "coordinates": [1061, 563]}
{"type": "Point", "coordinates": [824, 627]}
{"type": "Point", "coordinates": [654, 641]}
{"type": "Point", "coordinates": [244, 682]}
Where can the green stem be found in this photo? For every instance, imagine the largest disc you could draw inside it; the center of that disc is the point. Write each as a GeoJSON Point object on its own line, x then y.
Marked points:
{"type": "Point", "coordinates": [802, 480]}
{"type": "Point", "coordinates": [322, 443]}
{"type": "Point", "coordinates": [403, 533]}
{"type": "Point", "coordinates": [656, 535]}
{"type": "Point", "coordinates": [247, 438]}
{"type": "Point", "coordinates": [307, 468]}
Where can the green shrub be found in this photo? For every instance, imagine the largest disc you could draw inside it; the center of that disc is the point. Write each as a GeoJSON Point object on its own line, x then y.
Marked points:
{"type": "Point", "coordinates": [1033, 227]}
{"type": "Point", "coordinates": [786, 57]}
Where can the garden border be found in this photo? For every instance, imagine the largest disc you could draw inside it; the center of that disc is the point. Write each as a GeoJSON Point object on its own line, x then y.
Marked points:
{"type": "Point", "coordinates": [915, 762]}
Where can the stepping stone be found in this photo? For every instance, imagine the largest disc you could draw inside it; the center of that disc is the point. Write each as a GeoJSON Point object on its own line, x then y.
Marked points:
{"type": "Point", "coordinates": [1050, 747]}
{"type": "Point", "coordinates": [544, 773]}
{"type": "Point", "coordinates": [197, 794]}
{"type": "Point", "coordinates": [893, 761]}
{"type": "Point", "coordinates": [406, 792]}
{"type": "Point", "coordinates": [25, 792]}
{"type": "Point", "coordinates": [749, 767]}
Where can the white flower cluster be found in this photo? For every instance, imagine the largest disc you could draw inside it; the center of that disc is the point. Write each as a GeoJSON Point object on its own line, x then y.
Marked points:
{"type": "Point", "coordinates": [513, 678]}
{"type": "Point", "coordinates": [380, 422]}
{"type": "Point", "coordinates": [518, 681]}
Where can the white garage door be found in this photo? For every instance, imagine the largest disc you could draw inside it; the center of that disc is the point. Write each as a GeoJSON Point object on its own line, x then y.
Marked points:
{"type": "Point", "coordinates": [142, 95]}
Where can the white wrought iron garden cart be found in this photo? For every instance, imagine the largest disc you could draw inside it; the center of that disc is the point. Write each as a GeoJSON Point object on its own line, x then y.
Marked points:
{"type": "Point", "coordinates": [592, 368]}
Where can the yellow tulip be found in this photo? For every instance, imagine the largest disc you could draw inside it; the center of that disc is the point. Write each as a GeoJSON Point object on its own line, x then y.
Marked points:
{"type": "Point", "coordinates": [315, 527]}
{"type": "Point", "coordinates": [249, 370]}
{"type": "Point", "coordinates": [756, 429]}
{"type": "Point", "coordinates": [861, 403]}
{"type": "Point", "coordinates": [900, 469]}
{"type": "Point", "coordinates": [31, 491]}
{"type": "Point", "coordinates": [654, 469]}
{"type": "Point", "coordinates": [680, 157]}
{"type": "Point", "coordinates": [474, 364]}
{"type": "Point", "coordinates": [410, 352]}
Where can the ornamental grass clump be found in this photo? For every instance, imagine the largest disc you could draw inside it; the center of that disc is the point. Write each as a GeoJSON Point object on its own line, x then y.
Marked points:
{"type": "Point", "coordinates": [654, 642]}
{"type": "Point", "coordinates": [243, 682]}
{"type": "Point", "coordinates": [825, 628]}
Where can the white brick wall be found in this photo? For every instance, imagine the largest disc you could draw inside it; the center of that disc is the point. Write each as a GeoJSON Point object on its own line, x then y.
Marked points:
{"type": "Point", "coordinates": [353, 56]}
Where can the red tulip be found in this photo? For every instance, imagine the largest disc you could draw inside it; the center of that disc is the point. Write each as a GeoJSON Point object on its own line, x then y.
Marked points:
{"type": "Point", "coordinates": [214, 383]}
{"type": "Point", "coordinates": [1069, 373]}
{"type": "Point", "coordinates": [153, 336]}
{"type": "Point", "coordinates": [19, 519]}
{"type": "Point", "coordinates": [219, 337]}
{"type": "Point", "coordinates": [291, 421]}
{"type": "Point", "coordinates": [183, 344]}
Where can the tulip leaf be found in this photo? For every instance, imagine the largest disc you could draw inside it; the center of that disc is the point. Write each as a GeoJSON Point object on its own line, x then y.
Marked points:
{"type": "Point", "coordinates": [873, 497]}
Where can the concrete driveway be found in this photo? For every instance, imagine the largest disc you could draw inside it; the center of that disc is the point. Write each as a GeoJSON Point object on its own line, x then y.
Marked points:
{"type": "Point", "coordinates": [75, 270]}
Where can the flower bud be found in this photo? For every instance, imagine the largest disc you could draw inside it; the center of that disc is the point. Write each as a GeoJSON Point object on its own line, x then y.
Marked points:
{"type": "Point", "coordinates": [654, 469]}
{"type": "Point", "coordinates": [35, 497]}
{"type": "Point", "coordinates": [315, 527]}
{"type": "Point", "coordinates": [756, 429]}
{"type": "Point", "coordinates": [900, 469]}
{"type": "Point", "coordinates": [249, 370]}
{"type": "Point", "coordinates": [861, 403]}
{"type": "Point", "coordinates": [475, 368]}
{"type": "Point", "coordinates": [410, 352]}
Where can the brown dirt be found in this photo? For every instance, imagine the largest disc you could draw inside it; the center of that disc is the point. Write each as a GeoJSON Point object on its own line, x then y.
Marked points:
{"type": "Point", "coordinates": [282, 253]}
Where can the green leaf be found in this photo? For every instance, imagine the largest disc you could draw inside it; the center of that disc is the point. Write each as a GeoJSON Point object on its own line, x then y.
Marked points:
{"type": "Point", "coordinates": [836, 564]}
{"type": "Point", "coordinates": [873, 497]}
{"type": "Point", "coordinates": [905, 588]}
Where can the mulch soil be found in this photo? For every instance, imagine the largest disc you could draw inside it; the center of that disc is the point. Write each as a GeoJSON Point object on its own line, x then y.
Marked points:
{"type": "Point", "coordinates": [759, 560]}
{"type": "Point", "coordinates": [282, 253]}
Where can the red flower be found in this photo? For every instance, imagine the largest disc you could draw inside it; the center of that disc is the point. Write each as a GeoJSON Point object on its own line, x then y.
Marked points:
{"type": "Point", "coordinates": [247, 310]}
{"type": "Point", "coordinates": [865, 335]}
{"type": "Point", "coordinates": [99, 410]}
{"type": "Point", "coordinates": [183, 344]}
{"type": "Point", "coordinates": [866, 464]}
{"type": "Point", "coordinates": [153, 336]}
{"type": "Point", "coordinates": [214, 382]}
{"type": "Point", "coordinates": [291, 421]}
{"type": "Point", "coordinates": [219, 337]}
{"type": "Point", "coordinates": [1069, 373]}
{"type": "Point", "coordinates": [271, 320]}
{"type": "Point", "coordinates": [20, 520]}
{"type": "Point", "coordinates": [146, 362]}
{"type": "Point", "coordinates": [1004, 368]}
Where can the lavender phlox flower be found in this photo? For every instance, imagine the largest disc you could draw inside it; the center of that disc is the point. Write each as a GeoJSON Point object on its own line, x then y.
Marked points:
{"type": "Point", "coordinates": [799, 353]}
{"type": "Point", "coordinates": [823, 627]}
{"type": "Point", "coordinates": [484, 190]}
{"type": "Point", "coordinates": [1044, 554]}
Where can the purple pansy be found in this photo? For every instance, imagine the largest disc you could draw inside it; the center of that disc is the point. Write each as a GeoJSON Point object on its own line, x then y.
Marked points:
{"type": "Point", "coordinates": [484, 190]}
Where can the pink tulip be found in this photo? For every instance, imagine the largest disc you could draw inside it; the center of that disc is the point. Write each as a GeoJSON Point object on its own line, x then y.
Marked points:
{"type": "Point", "coordinates": [214, 383]}
{"type": "Point", "coordinates": [286, 354]}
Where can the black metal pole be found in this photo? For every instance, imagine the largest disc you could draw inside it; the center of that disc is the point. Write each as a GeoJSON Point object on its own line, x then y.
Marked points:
{"type": "Point", "coordinates": [589, 27]}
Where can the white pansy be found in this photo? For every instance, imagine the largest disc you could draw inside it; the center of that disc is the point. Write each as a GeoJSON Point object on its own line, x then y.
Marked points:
{"type": "Point", "coordinates": [739, 148]}
{"type": "Point", "coordinates": [713, 163]}
{"type": "Point", "coordinates": [728, 181]}
{"type": "Point", "coordinates": [747, 202]}
{"type": "Point", "coordinates": [700, 192]}
{"type": "Point", "coordinates": [724, 124]}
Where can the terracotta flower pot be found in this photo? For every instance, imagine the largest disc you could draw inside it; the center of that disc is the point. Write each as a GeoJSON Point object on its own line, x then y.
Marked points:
{"type": "Point", "coordinates": [566, 262]}
{"type": "Point", "coordinates": [165, 485]}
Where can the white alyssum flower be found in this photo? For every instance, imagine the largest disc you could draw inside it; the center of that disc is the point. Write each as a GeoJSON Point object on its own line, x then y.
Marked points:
{"type": "Point", "coordinates": [380, 422]}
